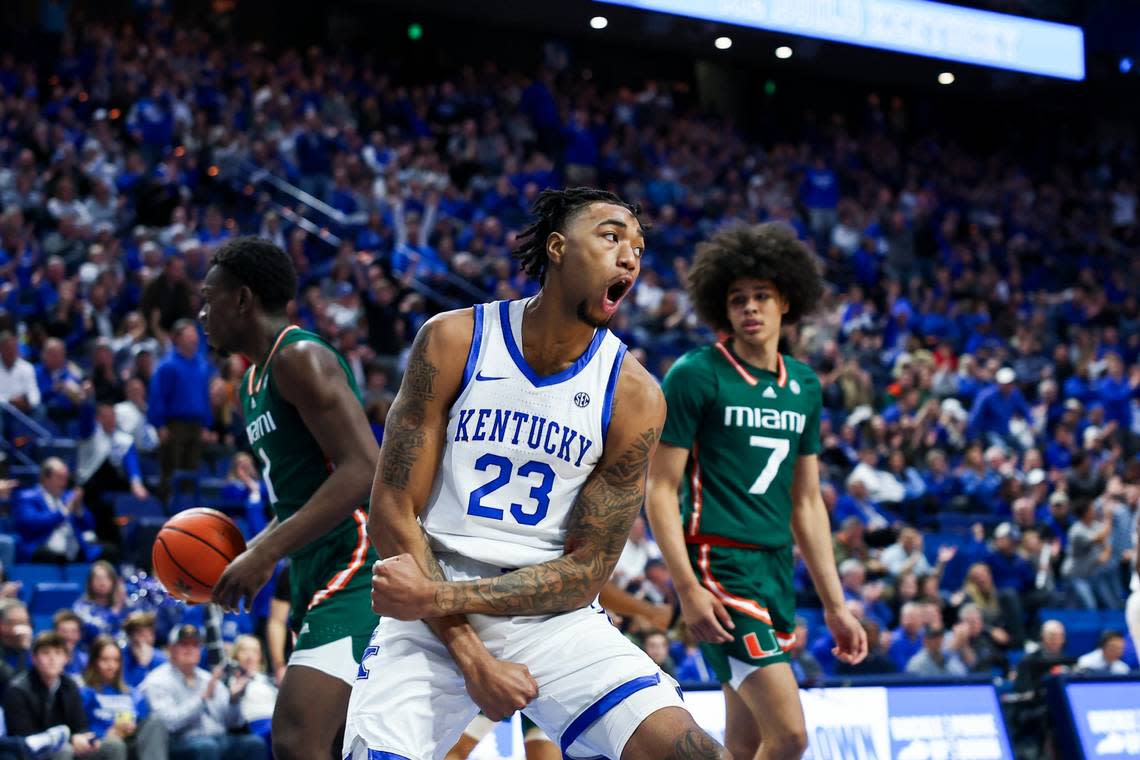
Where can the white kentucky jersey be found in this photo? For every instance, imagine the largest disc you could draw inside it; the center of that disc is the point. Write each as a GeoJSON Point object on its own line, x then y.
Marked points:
{"type": "Point", "coordinates": [519, 445]}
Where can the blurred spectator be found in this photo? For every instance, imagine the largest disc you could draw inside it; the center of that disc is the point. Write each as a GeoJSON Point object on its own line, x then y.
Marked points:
{"type": "Point", "coordinates": [116, 713]}
{"type": "Point", "coordinates": [805, 667]}
{"type": "Point", "coordinates": [61, 389]}
{"type": "Point", "coordinates": [906, 640]}
{"type": "Point", "coordinates": [15, 635]}
{"type": "Point", "coordinates": [691, 667]}
{"type": "Point", "coordinates": [1009, 569]}
{"type": "Point", "coordinates": [906, 555]}
{"type": "Point", "coordinates": [995, 407]}
{"type": "Point", "coordinates": [937, 659]}
{"type": "Point", "coordinates": [103, 606]}
{"type": "Point", "coordinates": [655, 643]}
{"type": "Point", "coordinates": [196, 707]}
{"type": "Point", "coordinates": [244, 487]}
{"type": "Point", "coordinates": [983, 646]}
{"type": "Point", "coordinates": [51, 521]}
{"type": "Point", "coordinates": [639, 549]}
{"type": "Point", "coordinates": [1087, 564]}
{"type": "Point", "coordinates": [179, 403]}
{"type": "Point", "coordinates": [43, 697]}
{"type": "Point", "coordinates": [140, 656]}
{"type": "Point", "coordinates": [167, 298]}
{"type": "Point", "coordinates": [18, 385]}
{"type": "Point", "coordinates": [107, 464]}
{"type": "Point", "coordinates": [131, 416]}
{"type": "Point", "coordinates": [258, 696]}
{"type": "Point", "coordinates": [66, 623]}
{"type": "Point", "coordinates": [1105, 659]}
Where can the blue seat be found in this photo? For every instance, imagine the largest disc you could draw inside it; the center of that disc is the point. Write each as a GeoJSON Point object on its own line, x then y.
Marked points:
{"type": "Point", "coordinates": [814, 619]}
{"type": "Point", "coordinates": [128, 506]}
{"type": "Point", "coordinates": [1082, 628]}
{"type": "Point", "coordinates": [42, 621]}
{"type": "Point", "coordinates": [76, 572]}
{"type": "Point", "coordinates": [185, 491]}
{"type": "Point", "coordinates": [210, 489]}
{"type": "Point", "coordinates": [28, 475]}
{"type": "Point", "coordinates": [49, 597]}
{"type": "Point", "coordinates": [32, 574]}
{"type": "Point", "coordinates": [64, 448]}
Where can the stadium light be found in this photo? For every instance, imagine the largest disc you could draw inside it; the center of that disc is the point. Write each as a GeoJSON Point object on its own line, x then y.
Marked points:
{"type": "Point", "coordinates": [415, 31]}
{"type": "Point", "coordinates": [945, 78]}
{"type": "Point", "coordinates": [599, 22]}
{"type": "Point", "coordinates": [1125, 65]}
{"type": "Point", "coordinates": [723, 43]}
{"type": "Point", "coordinates": [783, 52]}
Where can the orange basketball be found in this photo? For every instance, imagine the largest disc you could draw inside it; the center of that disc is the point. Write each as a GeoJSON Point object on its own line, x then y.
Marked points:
{"type": "Point", "coordinates": [192, 550]}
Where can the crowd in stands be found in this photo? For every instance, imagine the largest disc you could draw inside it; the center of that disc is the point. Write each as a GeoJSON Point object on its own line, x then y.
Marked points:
{"type": "Point", "coordinates": [979, 343]}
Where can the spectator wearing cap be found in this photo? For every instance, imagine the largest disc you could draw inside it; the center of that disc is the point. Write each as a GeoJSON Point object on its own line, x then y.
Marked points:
{"type": "Point", "coordinates": [1087, 565]}
{"type": "Point", "coordinates": [995, 407]}
{"type": "Point", "coordinates": [179, 403]}
{"type": "Point", "coordinates": [140, 656]}
{"type": "Point", "coordinates": [18, 385]}
{"type": "Point", "coordinates": [937, 658]}
{"type": "Point", "coordinates": [44, 697]}
{"type": "Point", "coordinates": [196, 707]}
{"type": "Point", "coordinates": [1106, 658]}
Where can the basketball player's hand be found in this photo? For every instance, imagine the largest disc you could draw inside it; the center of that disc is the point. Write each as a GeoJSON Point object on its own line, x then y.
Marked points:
{"type": "Point", "coordinates": [706, 617]}
{"type": "Point", "coordinates": [242, 579]}
{"type": "Point", "coordinates": [500, 688]}
{"type": "Point", "coordinates": [850, 637]}
{"type": "Point", "coordinates": [401, 590]}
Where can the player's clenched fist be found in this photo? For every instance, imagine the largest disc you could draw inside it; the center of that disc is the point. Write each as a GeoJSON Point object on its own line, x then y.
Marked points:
{"type": "Point", "coordinates": [401, 590]}
{"type": "Point", "coordinates": [500, 688]}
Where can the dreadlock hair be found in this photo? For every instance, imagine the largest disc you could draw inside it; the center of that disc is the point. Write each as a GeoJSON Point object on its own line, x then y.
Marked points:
{"type": "Point", "coordinates": [769, 251]}
{"type": "Point", "coordinates": [262, 267]}
{"type": "Point", "coordinates": [552, 209]}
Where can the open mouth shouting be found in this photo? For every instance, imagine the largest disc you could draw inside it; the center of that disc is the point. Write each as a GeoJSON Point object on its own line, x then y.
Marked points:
{"type": "Point", "coordinates": [615, 292]}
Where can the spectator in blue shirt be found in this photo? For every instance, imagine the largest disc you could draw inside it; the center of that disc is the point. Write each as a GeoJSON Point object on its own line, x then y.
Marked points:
{"type": "Point", "coordinates": [60, 389]}
{"type": "Point", "coordinates": [50, 520]}
{"type": "Point", "coordinates": [139, 654]}
{"type": "Point", "coordinates": [1010, 570]}
{"type": "Point", "coordinates": [116, 712]}
{"type": "Point", "coordinates": [180, 403]}
{"type": "Point", "coordinates": [995, 406]}
{"type": "Point", "coordinates": [906, 640]}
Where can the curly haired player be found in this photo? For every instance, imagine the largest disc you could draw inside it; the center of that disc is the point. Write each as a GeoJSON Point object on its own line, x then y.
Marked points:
{"type": "Point", "coordinates": [736, 478]}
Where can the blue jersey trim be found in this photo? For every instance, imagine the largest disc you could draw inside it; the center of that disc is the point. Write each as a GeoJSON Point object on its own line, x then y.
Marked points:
{"type": "Point", "coordinates": [609, 701]}
{"type": "Point", "coordinates": [379, 754]}
{"type": "Point", "coordinates": [611, 387]}
{"type": "Point", "coordinates": [476, 344]}
{"type": "Point", "coordinates": [520, 360]}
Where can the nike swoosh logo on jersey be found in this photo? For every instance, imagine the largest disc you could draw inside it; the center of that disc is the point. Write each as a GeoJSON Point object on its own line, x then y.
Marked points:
{"type": "Point", "coordinates": [480, 376]}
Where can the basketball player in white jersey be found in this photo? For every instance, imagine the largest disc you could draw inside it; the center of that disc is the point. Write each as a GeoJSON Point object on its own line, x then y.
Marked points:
{"type": "Point", "coordinates": [520, 439]}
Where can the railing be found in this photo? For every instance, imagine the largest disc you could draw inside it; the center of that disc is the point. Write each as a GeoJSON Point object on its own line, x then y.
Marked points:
{"type": "Point", "coordinates": [246, 172]}
{"type": "Point", "coordinates": [34, 429]}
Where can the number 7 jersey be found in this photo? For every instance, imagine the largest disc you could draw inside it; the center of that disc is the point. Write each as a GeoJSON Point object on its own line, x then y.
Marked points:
{"type": "Point", "coordinates": [519, 445]}
{"type": "Point", "coordinates": [744, 428]}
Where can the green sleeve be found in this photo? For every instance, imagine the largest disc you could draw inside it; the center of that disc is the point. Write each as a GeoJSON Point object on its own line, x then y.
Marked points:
{"type": "Point", "coordinates": [809, 441]}
{"type": "Point", "coordinates": [689, 387]}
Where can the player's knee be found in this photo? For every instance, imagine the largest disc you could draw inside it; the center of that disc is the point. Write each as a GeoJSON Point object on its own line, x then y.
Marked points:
{"type": "Point", "coordinates": [787, 745]}
{"type": "Point", "coordinates": [744, 749]}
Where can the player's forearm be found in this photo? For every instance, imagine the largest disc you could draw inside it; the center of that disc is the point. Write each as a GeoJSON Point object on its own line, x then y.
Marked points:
{"type": "Point", "coordinates": [664, 511]}
{"type": "Point", "coordinates": [813, 535]}
{"type": "Point", "coordinates": [623, 603]}
{"type": "Point", "coordinates": [270, 527]}
{"type": "Point", "coordinates": [342, 493]}
{"type": "Point", "coordinates": [568, 583]}
{"type": "Point", "coordinates": [398, 531]}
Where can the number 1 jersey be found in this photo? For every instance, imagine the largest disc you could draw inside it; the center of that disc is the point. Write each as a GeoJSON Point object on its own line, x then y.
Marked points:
{"type": "Point", "coordinates": [519, 445]}
{"type": "Point", "coordinates": [744, 428]}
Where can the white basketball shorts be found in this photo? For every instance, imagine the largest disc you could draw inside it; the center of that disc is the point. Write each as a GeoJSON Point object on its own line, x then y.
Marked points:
{"type": "Point", "coordinates": [595, 687]}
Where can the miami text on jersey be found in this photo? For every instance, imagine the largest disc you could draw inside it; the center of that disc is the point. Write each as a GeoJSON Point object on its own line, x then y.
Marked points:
{"type": "Point", "coordinates": [262, 425]}
{"type": "Point", "coordinates": [541, 434]}
{"type": "Point", "coordinates": [771, 419]}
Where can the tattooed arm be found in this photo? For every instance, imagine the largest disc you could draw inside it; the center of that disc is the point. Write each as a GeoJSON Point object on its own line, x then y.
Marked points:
{"type": "Point", "coordinates": [599, 525]}
{"type": "Point", "coordinates": [414, 435]}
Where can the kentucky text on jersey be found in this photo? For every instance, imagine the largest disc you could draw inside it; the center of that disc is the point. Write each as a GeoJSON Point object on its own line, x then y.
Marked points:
{"type": "Point", "coordinates": [771, 419]}
{"type": "Point", "coordinates": [262, 425]}
{"type": "Point", "coordinates": [539, 433]}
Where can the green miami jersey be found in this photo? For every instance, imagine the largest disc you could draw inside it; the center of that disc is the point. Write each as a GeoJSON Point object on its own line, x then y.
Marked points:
{"type": "Point", "coordinates": [744, 428]}
{"type": "Point", "coordinates": [330, 577]}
